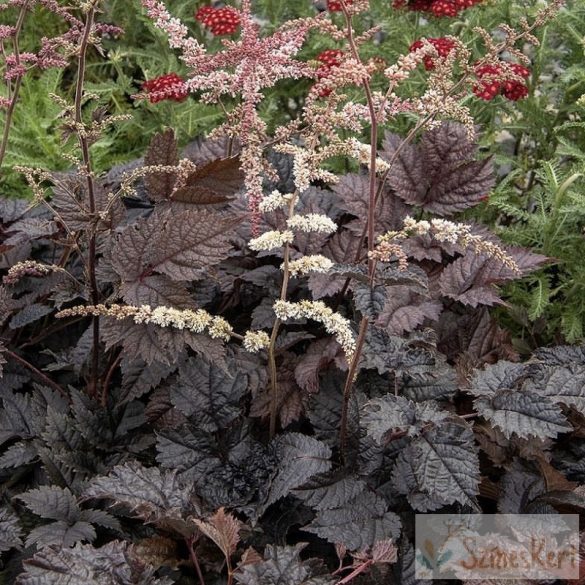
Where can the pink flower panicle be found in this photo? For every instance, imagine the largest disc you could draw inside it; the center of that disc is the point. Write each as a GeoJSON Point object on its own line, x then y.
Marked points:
{"type": "Point", "coordinates": [166, 87]}
{"type": "Point", "coordinates": [220, 21]}
{"type": "Point", "coordinates": [6, 31]}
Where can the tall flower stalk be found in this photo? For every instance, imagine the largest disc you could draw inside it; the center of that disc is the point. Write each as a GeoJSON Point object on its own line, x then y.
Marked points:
{"type": "Point", "coordinates": [89, 179]}
{"type": "Point", "coordinates": [13, 85]}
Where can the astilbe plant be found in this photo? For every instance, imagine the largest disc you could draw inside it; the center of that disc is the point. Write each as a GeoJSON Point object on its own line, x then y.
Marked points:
{"type": "Point", "coordinates": [210, 349]}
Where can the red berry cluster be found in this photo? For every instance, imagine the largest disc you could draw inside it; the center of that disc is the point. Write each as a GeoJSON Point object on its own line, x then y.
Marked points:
{"type": "Point", "coordinates": [438, 8]}
{"type": "Point", "coordinates": [335, 5]}
{"type": "Point", "coordinates": [166, 87]}
{"type": "Point", "coordinates": [444, 47]}
{"type": "Point", "coordinates": [220, 21]}
{"type": "Point", "coordinates": [489, 87]}
{"type": "Point", "coordinates": [329, 59]}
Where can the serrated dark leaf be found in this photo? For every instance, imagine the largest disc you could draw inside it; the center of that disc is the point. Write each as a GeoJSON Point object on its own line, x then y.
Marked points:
{"type": "Point", "coordinates": [523, 413]}
{"type": "Point", "coordinates": [112, 564]}
{"type": "Point", "coordinates": [300, 458]}
{"type": "Point", "coordinates": [208, 394]}
{"type": "Point", "coordinates": [562, 385]}
{"type": "Point", "coordinates": [407, 483]}
{"type": "Point", "coordinates": [21, 453]}
{"type": "Point", "coordinates": [353, 192]}
{"type": "Point", "coordinates": [471, 280]}
{"type": "Point", "coordinates": [29, 314]}
{"type": "Point", "coordinates": [358, 524]}
{"type": "Point", "coordinates": [138, 378]}
{"type": "Point", "coordinates": [151, 343]}
{"type": "Point", "coordinates": [157, 290]}
{"type": "Point", "coordinates": [12, 209]}
{"type": "Point", "coordinates": [149, 493]}
{"type": "Point", "coordinates": [328, 492]}
{"type": "Point", "coordinates": [61, 534]}
{"type": "Point", "coordinates": [29, 228]}
{"type": "Point", "coordinates": [519, 488]}
{"type": "Point", "coordinates": [446, 463]}
{"type": "Point", "coordinates": [283, 566]}
{"type": "Point", "coordinates": [405, 310]}
{"type": "Point", "coordinates": [518, 408]}
{"type": "Point", "coordinates": [192, 455]}
{"type": "Point", "coordinates": [71, 201]}
{"type": "Point", "coordinates": [180, 244]}
{"type": "Point", "coordinates": [369, 300]}
{"type": "Point", "coordinates": [342, 248]}
{"type": "Point", "coordinates": [317, 357]}
{"type": "Point", "coordinates": [396, 413]}
{"type": "Point", "coordinates": [10, 531]}
{"type": "Point", "coordinates": [439, 174]}
{"type": "Point", "coordinates": [213, 183]}
{"type": "Point", "coordinates": [52, 502]}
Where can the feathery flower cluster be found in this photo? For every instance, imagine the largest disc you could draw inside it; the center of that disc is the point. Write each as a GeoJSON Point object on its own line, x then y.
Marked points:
{"type": "Point", "coordinates": [334, 323]}
{"type": "Point", "coordinates": [406, 64]}
{"type": "Point", "coordinates": [347, 72]}
{"type": "Point", "coordinates": [27, 268]}
{"type": "Point", "coordinates": [195, 321]}
{"type": "Point", "coordinates": [450, 8]}
{"type": "Point", "coordinates": [166, 87]}
{"type": "Point", "coordinates": [220, 21]}
{"type": "Point", "coordinates": [244, 67]}
{"type": "Point", "coordinates": [311, 263]}
{"type": "Point", "coordinates": [6, 31]}
{"type": "Point", "coordinates": [386, 251]}
{"type": "Point", "coordinates": [494, 80]}
{"type": "Point", "coordinates": [254, 341]}
{"type": "Point", "coordinates": [271, 240]}
{"type": "Point", "coordinates": [443, 45]}
{"type": "Point", "coordinates": [312, 222]}
{"type": "Point", "coordinates": [306, 164]}
{"type": "Point", "coordinates": [176, 31]}
{"type": "Point", "coordinates": [445, 231]}
{"type": "Point", "coordinates": [273, 201]}
{"type": "Point", "coordinates": [361, 152]}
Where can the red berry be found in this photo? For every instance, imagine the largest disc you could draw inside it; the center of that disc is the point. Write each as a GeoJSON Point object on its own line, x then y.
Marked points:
{"type": "Point", "coordinates": [444, 47]}
{"type": "Point", "coordinates": [220, 21]}
{"type": "Point", "coordinates": [166, 87]}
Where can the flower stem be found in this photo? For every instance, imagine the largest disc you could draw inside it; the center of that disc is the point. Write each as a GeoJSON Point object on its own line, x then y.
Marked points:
{"type": "Point", "coordinates": [42, 377]}
{"type": "Point", "coordinates": [370, 224]}
{"type": "Point", "coordinates": [17, 84]}
{"type": "Point", "coordinates": [274, 398]}
{"type": "Point", "coordinates": [84, 145]}
{"type": "Point", "coordinates": [195, 561]}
